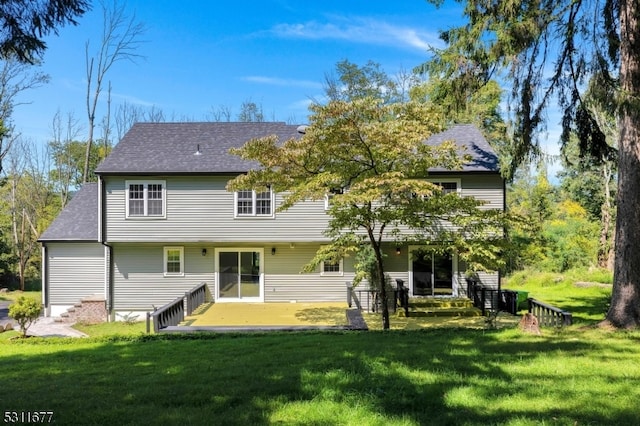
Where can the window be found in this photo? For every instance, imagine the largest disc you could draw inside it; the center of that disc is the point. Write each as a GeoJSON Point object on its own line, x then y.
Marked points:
{"type": "Point", "coordinates": [331, 268]}
{"type": "Point", "coordinates": [252, 203]}
{"type": "Point", "coordinates": [145, 199]}
{"type": "Point", "coordinates": [448, 187]}
{"type": "Point", "coordinates": [330, 195]}
{"type": "Point", "coordinates": [173, 261]}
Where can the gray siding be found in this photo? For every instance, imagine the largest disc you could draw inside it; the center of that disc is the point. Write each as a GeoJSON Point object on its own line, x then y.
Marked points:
{"type": "Point", "coordinates": [200, 209]}
{"type": "Point", "coordinates": [139, 282]}
{"type": "Point", "coordinates": [484, 187]}
{"type": "Point", "coordinates": [75, 271]}
{"type": "Point", "coordinates": [200, 214]}
{"type": "Point", "coordinates": [285, 282]}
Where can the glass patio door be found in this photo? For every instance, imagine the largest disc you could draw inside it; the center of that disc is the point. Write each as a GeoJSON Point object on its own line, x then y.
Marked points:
{"type": "Point", "coordinates": [239, 275]}
{"type": "Point", "coordinates": [432, 274]}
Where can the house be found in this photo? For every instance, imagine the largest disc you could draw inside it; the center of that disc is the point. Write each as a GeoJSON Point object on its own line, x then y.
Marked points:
{"type": "Point", "coordinates": [159, 221]}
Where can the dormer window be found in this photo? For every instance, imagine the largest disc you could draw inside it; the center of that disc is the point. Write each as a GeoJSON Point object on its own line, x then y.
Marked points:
{"type": "Point", "coordinates": [145, 199]}
{"type": "Point", "coordinates": [251, 203]}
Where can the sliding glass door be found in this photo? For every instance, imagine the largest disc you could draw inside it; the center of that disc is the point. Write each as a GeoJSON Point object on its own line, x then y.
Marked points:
{"type": "Point", "coordinates": [432, 274]}
{"type": "Point", "coordinates": [239, 275]}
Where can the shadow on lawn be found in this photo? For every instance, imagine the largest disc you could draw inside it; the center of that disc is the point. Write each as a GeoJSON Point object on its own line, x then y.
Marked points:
{"type": "Point", "coordinates": [586, 308]}
{"type": "Point", "coordinates": [334, 315]}
{"type": "Point", "coordinates": [434, 377]}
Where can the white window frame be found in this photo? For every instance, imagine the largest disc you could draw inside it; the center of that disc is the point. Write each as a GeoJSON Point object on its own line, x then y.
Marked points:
{"type": "Point", "coordinates": [166, 251]}
{"type": "Point", "coordinates": [448, 180]}
{"type": "Point", "coordinates": [338, 273]}
{"type": "Point", "coordinates": [145, 184]}
{"type": "Point", "coordinates": [254, 204]}
{"type": "Point", "coordinates": [329, 197]}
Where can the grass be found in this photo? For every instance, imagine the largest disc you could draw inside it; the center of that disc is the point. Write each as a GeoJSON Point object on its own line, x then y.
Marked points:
{"type": "Point", "coordinates": [112, 329]}
{"type": "Point", "coordinates": [13, 295]}
{"type": "Point", "coordinates": [464, 377]}
{"type": "Point", "coordinates": [575, 376]}
{"type": "Point", "coordinates": [586, 294]}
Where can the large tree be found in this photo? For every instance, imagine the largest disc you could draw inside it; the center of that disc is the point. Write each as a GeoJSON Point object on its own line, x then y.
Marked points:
{"type": "Point", "coordinates": [373, 153]}
{"type": "Point", "coordinates": [551, 47]}
{"type": "Point", "coordinates": [25, 23]}
{"type": "Point", "coordinates": [365, 150]}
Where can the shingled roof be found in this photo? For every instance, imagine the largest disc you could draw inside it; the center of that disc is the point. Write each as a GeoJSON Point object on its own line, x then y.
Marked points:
{"type": "Point", "coordinates": [79, 220]}
{"type": "Point", "coordinates": [470, 141]}
{"type": "Point", "coordinates": [170, 148]}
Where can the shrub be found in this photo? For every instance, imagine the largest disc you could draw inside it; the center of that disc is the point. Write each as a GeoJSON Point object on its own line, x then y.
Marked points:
{"type": "Point", "coordinates": [25, 311]}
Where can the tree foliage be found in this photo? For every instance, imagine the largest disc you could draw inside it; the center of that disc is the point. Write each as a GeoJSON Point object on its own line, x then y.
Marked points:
{"type": "Point", "coordinates": [549, 47]}
{"type": "Point", "coordinates": [369, 153]}
{"type": "Point", "coordinates": [463, 105]}
{"type": "Point", "coordinates": [250, 112]}
{"type": "Point", "coordinates": [516, 40]}
{"type": "Point", "coordinates": [25, 23]}
{"type": "Point", "coordinates": [25, 310]}
{"type": "Point", "coordinates": [30, 205]}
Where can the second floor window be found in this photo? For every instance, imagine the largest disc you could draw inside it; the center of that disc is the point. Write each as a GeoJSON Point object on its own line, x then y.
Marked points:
{"type": "Point", "coordinates": [252, 203]}
{"type": "Point", "coordinates": [145, 198]}
{"type": "Point", "coordinates": [448, 187]}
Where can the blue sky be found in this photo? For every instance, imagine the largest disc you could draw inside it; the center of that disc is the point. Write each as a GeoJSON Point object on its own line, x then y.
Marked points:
{"type": "Point", "coordinates": [206, 54]}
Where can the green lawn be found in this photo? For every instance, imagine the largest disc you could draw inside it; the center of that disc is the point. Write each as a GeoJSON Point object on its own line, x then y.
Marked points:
{"type": "Point", "coordinates": [420, 377]}
{"type": "Point", "coordinates": [586, 294]}
{"type": "Point", "coordinates": [575, 376]}
{"type": "Point", "coordinates": [13, 295]}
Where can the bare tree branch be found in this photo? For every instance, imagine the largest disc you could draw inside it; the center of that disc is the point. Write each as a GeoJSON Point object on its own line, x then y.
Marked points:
{"type": "Point", "coordinates": [120, 42]}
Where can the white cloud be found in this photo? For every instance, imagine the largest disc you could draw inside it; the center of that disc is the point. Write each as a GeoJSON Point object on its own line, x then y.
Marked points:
{"type": "Point", "coordinates": [129, 99]}
{"type": "Point", "coordinates": [275, 81]}
{"type": "Point", "coordinates": [360, 30]}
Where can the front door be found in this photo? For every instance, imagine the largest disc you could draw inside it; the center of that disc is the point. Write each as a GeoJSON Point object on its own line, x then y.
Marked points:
{"type": "Point", "coordinates": [432, 274]}
{"type": "Point", "coordinates": [240, 275]}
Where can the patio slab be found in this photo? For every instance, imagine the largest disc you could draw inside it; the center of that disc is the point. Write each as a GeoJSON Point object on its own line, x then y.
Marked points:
{"type": "Point", "coordinates": [270, 315]}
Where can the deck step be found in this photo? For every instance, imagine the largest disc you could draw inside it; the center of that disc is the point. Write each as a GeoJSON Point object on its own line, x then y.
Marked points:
{"type": "Point", "coordinates": [441, 312]}
{"type": "Point", "coordinates": [440, 303]}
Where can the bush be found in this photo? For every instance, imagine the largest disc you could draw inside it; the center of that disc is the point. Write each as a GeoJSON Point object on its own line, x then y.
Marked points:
{"type": "Point", "coordinates": [25, 311]}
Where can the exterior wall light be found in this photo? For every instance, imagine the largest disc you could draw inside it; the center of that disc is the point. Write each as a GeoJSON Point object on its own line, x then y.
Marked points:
{"type": "Point", "coordinates": [204, 252]}
{"type": "Point", "coordinates": [273, 251]}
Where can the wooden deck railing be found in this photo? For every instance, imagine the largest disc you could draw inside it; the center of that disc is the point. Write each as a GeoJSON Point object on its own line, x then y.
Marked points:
{"type": "Point", "coordinates": [170, 314]}
{"type": "Point", "coordinates": [173, 313]}
{"type": "Point", "coordinates": [370, 299]}
{"type": "Point", "coordinates": [491, 299]}
{"type": "Point", "coordinates": [195, 297]}
{"type": "Point", "coordinates": [549, 316]}
{"type": "Point", "coordinates": [507, 301]}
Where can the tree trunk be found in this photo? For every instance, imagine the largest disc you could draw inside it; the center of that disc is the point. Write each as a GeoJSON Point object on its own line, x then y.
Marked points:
{"type": "Point", "coordinates": [383, 288]}
{"type": "Point", "coordinates": [605, 250]}
{"type": "Point", "coordinates": [624, 311]}
{"type": "Point", "coordinates": [22, 262]}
